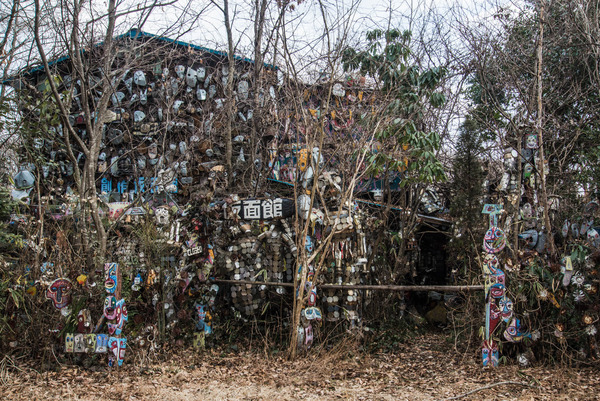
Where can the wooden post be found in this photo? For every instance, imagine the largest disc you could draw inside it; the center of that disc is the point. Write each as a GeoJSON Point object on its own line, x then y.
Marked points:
{"type": "Point", "coordinates": [118, 297]}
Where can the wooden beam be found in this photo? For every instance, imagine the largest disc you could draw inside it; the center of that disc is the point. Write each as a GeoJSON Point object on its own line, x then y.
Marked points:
{"type": "Point", "coordinates": [440, 288]}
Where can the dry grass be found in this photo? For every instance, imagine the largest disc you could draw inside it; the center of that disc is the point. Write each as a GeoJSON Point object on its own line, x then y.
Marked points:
{"type": "Point", "coordinates": [424, 369]}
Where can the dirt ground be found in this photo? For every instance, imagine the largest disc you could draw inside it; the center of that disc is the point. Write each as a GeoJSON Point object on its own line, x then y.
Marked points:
{"type": "Point", "coordinates": [423, 369]}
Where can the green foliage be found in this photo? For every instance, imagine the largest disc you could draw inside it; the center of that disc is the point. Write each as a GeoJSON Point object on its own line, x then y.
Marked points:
{"type": "Point", "coordinates": [466, 199]}
{"type": "Point", "coordinates": [468, 176]}
{"type": "Point", "coordinates": [405, 91]}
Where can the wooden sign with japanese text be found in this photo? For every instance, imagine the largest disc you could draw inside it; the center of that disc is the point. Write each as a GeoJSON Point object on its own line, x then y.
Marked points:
{"type": "Point", "coordinates": [263, 209]}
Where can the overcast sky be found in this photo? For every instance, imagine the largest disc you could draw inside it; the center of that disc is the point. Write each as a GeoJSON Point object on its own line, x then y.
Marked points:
{"type": "Point", "coordinates": [348, 19]}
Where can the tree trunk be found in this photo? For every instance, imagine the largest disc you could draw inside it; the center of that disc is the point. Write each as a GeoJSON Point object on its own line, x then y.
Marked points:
{"type": "Point", "coordinates": [539, 124]}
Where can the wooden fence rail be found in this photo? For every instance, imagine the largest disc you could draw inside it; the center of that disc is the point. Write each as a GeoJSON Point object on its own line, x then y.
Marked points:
{"type": "Point", "coordinates": [440, 288]}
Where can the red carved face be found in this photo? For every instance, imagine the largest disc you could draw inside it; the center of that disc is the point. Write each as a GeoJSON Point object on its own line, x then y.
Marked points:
{"type": "Point", "coordinates": [60, 292]}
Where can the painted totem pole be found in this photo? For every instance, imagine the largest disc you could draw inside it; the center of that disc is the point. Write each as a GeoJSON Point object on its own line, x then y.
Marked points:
{"type": "Point", "coordinates": [498, 306]}
{"type": "Point", "coordinates": [494, 242]}
{"type": "Point", "coordinates": [115, 313]}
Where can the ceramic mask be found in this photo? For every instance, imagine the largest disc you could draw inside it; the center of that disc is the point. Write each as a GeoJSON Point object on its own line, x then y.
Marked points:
{"type": "Point", "coordinates": [490, 264]}
{"type": "Point", "coordinates": [84, 321]}
{"type": "Point", "coordinates": [303, 160]}
{"type": "Point", "coordinates": [110, 274]}
{"type": "Point", "coordinates": [144, 96]}
{"type": "Point", "coordinates": [137, 282]}
{"type": "Point", "coordinates": [191, 78]}
{"type": "Point", "coordinates": [494, 240]}
{"type": "Point", "coordinates": [129, 84]}
{"type": "Point", "coordinates": [338, 90]}
{"type": "Point", "coordinates": [201, 314]}
{"type": "Point", "coordinates": [312, 313]}
{"type": "Point", "coordinates": [110, 307]}
{"type": "Point", "coordinates": [497, 291]}
{"type": "Point", "coordinates": [531, 142]}
{"type": "Point", "coordinates": [303, 206]}
{"type": "Point", "coordinates": [312, 297]}
{"type": "Point", "coordinates": [164, 73]}
{"type": "Point", "coordinates": [139, 78]}
{"type": "Point", "coordinates": [138, 116]}
{"type": "Point", "coordinates": [79, 345]}
{"type": "Point", "coordinates": [90, 343]}
{"type": "Point", "coordinates": [506, 308]}
{"type": "Point", "coordinates": [101, 343]}
{"type": "Point", "coordinates": [527, 170]}
{"type": "Point", "coordinates": [309, 245]}
{"type": "Point", "coordinates": [180, 71]}
{"type": "Point", "coordinates": [200, 94]}
{"type": "Point", "coordinates": [151, 277]}
{"type": "Point", "coordinates": [499, 276]}
{"type": "Point", "coordinates": [69, 342]}
{"type": "Point", "coordinates": [117, 98]}
{"type": "Point", "coordinates": [117, 348]}
{"type": "Point", "coordinates": [162, 216]}
{"type": "Point", "coordinates": [489, 353]}
{"type": "Point", "coordinates": [243, 90]}
{"type": "Point", "coordinates": [591, 208]}
{"type": "Point", "coordinates": [530, 237]}
{"type": "Point", "coordinates": [575, 230]}
{"type": "Point", "coordinates": [121, 318]}
{"type": "Point", "coordinates": [199, 340]}
{"type": "Point", "coordinates": [59, 292]}
{"type": "Point", "coordinates": [586, 224]}
{"type": "Point", "coordinates": [308, 336]}
{"type": "Point", "coordinates": [513, 332]}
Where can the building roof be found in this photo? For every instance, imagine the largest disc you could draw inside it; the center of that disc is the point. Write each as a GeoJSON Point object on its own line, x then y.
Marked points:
{"type": "Point", "coordinates": [135, 33]}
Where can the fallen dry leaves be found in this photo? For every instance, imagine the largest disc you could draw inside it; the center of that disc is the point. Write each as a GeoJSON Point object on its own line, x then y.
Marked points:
{"type": "Point", "coordinates": [420, 370]}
